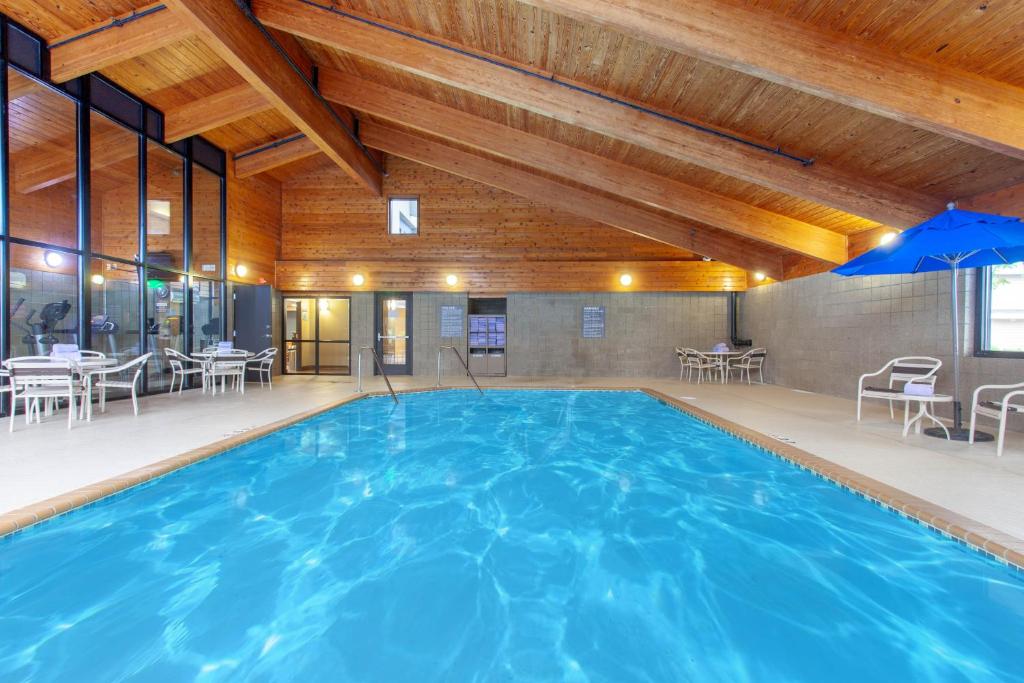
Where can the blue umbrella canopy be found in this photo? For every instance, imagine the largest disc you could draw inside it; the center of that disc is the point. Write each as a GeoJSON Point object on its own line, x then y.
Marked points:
{"type": "Point", "coordinates": [952, 240]}
{"type": "Point", "coordinates": [966, 238]}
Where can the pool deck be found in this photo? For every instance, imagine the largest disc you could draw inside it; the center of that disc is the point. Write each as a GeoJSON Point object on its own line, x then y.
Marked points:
{"type": "Point", "coordinates": [45, 462]}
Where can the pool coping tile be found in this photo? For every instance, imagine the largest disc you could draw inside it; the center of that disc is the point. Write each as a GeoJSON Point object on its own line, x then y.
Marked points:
{"type": "Point", "coordinates": [980, 537]}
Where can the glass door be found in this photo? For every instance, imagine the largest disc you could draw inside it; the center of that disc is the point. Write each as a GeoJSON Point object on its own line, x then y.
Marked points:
{"type": "Point", "coordinates": [393, 330]}
{"type": "Point", "coordinates": [316, 336]}
{"type": "Point", "coordinates": [333, 341]}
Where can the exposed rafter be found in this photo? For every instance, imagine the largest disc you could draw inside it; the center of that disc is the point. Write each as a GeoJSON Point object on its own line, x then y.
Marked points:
{"type": "Point", "coordinates": [118, 39]}
{"type": "Point", "coordinates": [212, 112]}
{"type": "Point", "coordinates": [240, 43]}
{"type": "Point", "coordinates": [820, 183]}
{"type": "Point", "coordinates": [274, 154]}
{"type": "Point", "coordinates": [589, 169]}
{"type": "Point", "coordinates": [769, 46]}
{"type": "Point", "coordinates": [598, 207]}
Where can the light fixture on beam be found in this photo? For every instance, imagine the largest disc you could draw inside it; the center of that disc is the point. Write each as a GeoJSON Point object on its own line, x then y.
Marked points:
{"type": "Point", "coordinates": [625, 279]}
{"type": "Point", "coordinates": [241, 270]}
{"type": "Point", "coordinates": [358, 279]}
{"type": "Point", "coordinates": [759, 276]}
{"type": "Point", "coordinates": [886, 238]}
{"type": "Point", "coordinates": [451, 280]}
{"type": "Point", "coordinates": [97, 279]}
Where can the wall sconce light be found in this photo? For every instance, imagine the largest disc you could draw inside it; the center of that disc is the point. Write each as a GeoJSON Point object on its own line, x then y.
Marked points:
{"type": "Point", "coordinates": [325, 306]}
{"type": "Point", "coordinates": [886, 238]}
{"type": "Point", "coordinates": [358, 280]}
{"type": "Point", "coordinates": [452, 280]}
{"type": "Point", "coordinates": [759, 276]}
{"type": "Point", "coordinates": [53, 259]}
{"type": "Point", "coordinates": [625, 279]}
{"type": "Point", "coordinates": [241, 270]}
{"type": "Point", "coordinates": [97, 279]}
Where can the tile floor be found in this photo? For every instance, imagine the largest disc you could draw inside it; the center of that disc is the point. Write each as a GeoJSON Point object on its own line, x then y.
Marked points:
{"type": "Point", "coordinates": [41, 461]}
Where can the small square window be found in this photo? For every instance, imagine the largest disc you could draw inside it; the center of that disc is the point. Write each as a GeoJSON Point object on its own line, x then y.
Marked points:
{"type": "Point", "coordinates": [403, 215]}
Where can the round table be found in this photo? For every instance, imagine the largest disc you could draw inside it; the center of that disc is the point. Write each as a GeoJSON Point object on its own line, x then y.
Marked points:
{"type": "Point", "coordinates": [923, 403]}
{"type": "Point", "coordinates": [723, 360]}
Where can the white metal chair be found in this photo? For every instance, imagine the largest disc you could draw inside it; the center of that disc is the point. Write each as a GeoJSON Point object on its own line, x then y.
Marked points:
{"type": "Point", "coordinates": [751, 360]}
{"type": "Point", "coordinates": [997, 410]}
{"type": "Point", "coordinates": [684, 363]}
{"type": "Point", "coordinates": [905, 370]}
{"type": "Point", "coordinates": [91, 354]}
{"type": "Point", "coordinates": [225, 364]}
{"type": "Point", "coordinates": [133, 368]}
{"type": "Point", "coordinates": [179, 370]}
{"type": "Point", "coordinates": [263, 364]}
{"type": "Point", "coordinates": [702, 364]}
{"type": "Point", "coordinates": [41, 377]}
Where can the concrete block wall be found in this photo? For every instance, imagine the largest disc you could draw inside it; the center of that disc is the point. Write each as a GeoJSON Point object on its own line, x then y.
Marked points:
{"type": "Point", "coordinates": [641, 331]}
{"type": "Point", "coordinates": [823, 332]}
{"type": "Point", "coordinates": [426, 325]}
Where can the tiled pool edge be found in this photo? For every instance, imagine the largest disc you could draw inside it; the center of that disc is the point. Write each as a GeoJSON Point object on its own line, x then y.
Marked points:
{"type": "Point", "coordinates": [991, 542]}
{"type": "Point", "coordinates": [980, 537]}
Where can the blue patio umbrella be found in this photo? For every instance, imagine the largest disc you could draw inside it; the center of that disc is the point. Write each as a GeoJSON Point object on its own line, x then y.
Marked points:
{"type": "Point", "coordinates": [952, 240]}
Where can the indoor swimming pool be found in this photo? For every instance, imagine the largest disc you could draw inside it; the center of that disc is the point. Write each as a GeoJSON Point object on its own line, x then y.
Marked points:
{"type": "Point", "coordinates": [515, 536]}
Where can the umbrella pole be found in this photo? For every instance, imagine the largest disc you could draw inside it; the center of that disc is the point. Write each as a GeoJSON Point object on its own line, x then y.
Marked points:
{"type": "Point", "coordinates": [957, 433]}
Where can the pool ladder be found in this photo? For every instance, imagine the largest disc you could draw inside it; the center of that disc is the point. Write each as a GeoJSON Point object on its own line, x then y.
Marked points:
{"type": "Point", "coordinates": [380, 366]}
{"type": "Point", "coordinates": [462, 360]}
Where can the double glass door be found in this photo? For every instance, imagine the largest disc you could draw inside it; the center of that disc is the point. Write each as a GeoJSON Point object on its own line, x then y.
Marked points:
{"type": "Point", "coordinates": [317, 336]}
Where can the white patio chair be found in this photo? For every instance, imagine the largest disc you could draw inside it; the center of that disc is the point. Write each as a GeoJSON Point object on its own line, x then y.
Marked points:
{"type": "Point", "coordinates": [179, 370]}
{"type": "Point", "coordinates": [98, 378]}
{"type": "Point", "coordinates": [42, 377]}
{"type": "Point", "coordinates": [684, 363]}
{"type": "Point", "coordinates": [751, 360]}
{"type": "Point", "coordinates": [997, 410]}
{"type": "Point", "coordinates": [906, 370]}
{"type": "Point", "coordinates": [263, 364]}
{"type": "Point", "coordinates": [703, 364]}
{"type": "Point", "coordinates": [225, 364]}
{"type": "Point", "coordinates": [91, 354]}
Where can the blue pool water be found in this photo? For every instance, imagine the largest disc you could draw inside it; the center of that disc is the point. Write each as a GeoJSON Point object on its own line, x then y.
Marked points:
{"type": "Point", "coordinates": [522, 536]}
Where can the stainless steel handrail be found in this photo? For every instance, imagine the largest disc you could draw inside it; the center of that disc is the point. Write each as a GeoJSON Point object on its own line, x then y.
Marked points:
{"type": "Point", "coordinates": [461, 360]}
{"type": "Point", "coordinates": [380, 366]}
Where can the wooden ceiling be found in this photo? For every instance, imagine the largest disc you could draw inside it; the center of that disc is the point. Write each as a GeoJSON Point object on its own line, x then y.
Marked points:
{"type": "Point", "coordinates": [886, 158]}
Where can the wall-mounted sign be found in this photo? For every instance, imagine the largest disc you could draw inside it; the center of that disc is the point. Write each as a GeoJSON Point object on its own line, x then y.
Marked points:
{"type": "Point", "coordinates": [452, 318]}
{"type": "Point", "coordinates": [593, 322]}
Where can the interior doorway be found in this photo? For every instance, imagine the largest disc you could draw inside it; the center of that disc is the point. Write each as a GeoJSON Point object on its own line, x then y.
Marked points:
{"type": "Point", "coordinates": [317, 334]}
{"type": "Point", "coordinates": [393, 332]}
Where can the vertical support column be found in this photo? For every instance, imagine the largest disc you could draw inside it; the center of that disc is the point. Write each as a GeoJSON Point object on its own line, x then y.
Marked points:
{"type": "Point", "coordinates": [5, 251]}
{"type": "Point", "coordinates": [186, 261]}
{"type": "Point", "coordinates": [83, 187]}
{"type": "Point", "coordinates": [143, 321]}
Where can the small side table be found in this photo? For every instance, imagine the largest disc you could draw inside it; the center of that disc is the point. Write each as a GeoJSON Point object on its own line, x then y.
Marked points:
{"type": "Point", "coordinates": [924, 409]}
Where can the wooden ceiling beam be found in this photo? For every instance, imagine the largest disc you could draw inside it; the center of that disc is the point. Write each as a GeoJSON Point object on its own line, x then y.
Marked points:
{"type": "Point", "coordinates": [716, 244]}
{"type": "Point", "coordinates": [767, 45]}
{"type": "Point", "coordinates": [818, 182]}
{"type": "Point", "coordinates": [574, 164]}
{"type": "Point", "coordinates": [115, 40]}
{"type": "Point", "coordinates": [207, 113]}
{"type": "Point", "coordinates": [55, 161]}
{"type": "Point", "coordinates": [273, 155]}
{"type": "Point", "coordinates": [224, 28]}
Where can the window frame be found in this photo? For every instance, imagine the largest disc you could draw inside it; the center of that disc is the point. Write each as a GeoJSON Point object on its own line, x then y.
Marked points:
{"type": "Point", "coordinates": [387, 225]}
{"type": "Point", "coordinates": [983, 318]}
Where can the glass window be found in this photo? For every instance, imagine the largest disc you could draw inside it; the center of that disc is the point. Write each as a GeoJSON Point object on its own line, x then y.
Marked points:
{"type": "Point", "coordinates": [403, 215]}
{"type": "Point", "coordinates": [165, 225]}
{"type": "Point", "coordinates": [114, 299]}
{"type": "Point", "coordinates": [165, 308]}
{"type": "Point", "coordinates": [43, 163]}
{"type": "Point", "coordinates": [44, 300]}
{"type": "Point", "coordinates": [207, 310]}
{"type": "Point", "coordinates": [206, 215]}
{"type": "Point", "coordinates": [1001, 309]}
{"type": "Point", "coordinates": [114, 164]}
{"type": "Point", "coordinates": [300, 336]}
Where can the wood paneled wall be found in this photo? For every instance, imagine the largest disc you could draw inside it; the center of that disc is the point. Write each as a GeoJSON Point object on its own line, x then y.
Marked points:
{"type": "Point", "coordinates": [502, 277]}
{"type": "Point", "coordinates": [494, 241]}
{"type": "Point", "coordinates": [254, 226]}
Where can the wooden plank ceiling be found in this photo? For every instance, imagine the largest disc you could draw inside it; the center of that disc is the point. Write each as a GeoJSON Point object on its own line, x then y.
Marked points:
{"type": "Point", "coordinates": [619, 134]}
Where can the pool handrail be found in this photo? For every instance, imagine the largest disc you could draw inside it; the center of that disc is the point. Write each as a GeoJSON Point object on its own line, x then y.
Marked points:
{"type": "Point", "coordinates": [380, 366]}
{"type": "Point", "coordinates": [458, 355]}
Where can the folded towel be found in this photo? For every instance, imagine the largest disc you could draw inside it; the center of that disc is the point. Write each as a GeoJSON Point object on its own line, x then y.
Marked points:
{"type": "Point", "coordinates": [66, 351]}
{"type": "Point", "coordinates": [912, 389]}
